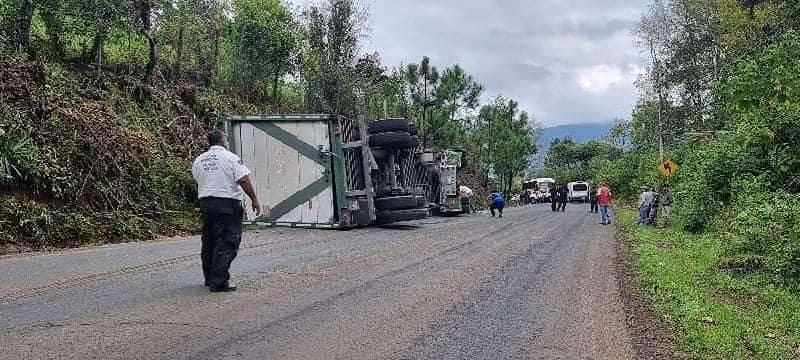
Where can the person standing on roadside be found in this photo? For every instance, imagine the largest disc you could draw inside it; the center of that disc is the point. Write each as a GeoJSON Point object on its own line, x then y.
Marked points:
{"type": "Point", "coordinates": [604, 198]}
{"type": "Point", "coordinates": [652, 218]}
{"type": "Point", "coordinates": [221, 178]}
{"type": "Point", "coordinates": [563, 197]}
{"type": "Point", "coordinates": [666, 203]}
{"type": "Point", "coordinates": [467, 200]}
{"type": "Point", "coordinates": [554, 197]}
{"type": "Point", "coordinates": [593, 199]}
{"type": "Point", "coordinates": [645, 202]}
{"type": "Point", "coordinates": [498, 202]}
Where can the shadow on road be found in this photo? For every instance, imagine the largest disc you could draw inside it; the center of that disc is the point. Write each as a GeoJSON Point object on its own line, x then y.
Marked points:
{"type": "Point", "coordinates": [405, 227]}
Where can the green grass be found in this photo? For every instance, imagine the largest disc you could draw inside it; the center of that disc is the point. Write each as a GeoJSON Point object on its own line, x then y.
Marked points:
{"type": "Point", "coordinates": [714, 313]}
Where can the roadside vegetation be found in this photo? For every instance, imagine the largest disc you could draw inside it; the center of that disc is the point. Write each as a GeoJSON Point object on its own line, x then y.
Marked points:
{"type": "Point", "coordinates": [721, 307]}
{"type": "Point", "coordinates": [722, 94]}
{"type": "Point", "coordinates": [103, 104]}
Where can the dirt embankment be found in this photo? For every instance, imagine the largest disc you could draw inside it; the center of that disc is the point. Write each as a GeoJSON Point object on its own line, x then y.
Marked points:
{"type": "Point", "coordinates": [90, 158]}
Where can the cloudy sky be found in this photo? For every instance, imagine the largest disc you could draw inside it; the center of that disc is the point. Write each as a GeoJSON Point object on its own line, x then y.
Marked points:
{"type": "Point", "coordinates": [565, 61]}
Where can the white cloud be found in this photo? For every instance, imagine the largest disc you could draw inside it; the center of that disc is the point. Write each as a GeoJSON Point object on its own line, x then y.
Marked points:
{"type": "Point", "coordinates": [564, 61]}
{"type": "Point", "coordinates": [597, 79]}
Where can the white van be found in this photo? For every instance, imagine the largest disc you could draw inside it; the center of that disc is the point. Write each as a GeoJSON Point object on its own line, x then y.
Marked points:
{"type": "Point", "coordinates": [578, 191]}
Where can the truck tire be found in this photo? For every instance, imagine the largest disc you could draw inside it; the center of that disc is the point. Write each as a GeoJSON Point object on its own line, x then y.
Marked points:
{"type": "Point", "coordinates": [386, 217]}
{"type": "Point", "coordinates": [412, 129]}
{"type": "Point", "coordinates": [388, 125]}
{"type": "Point", "coordinates": [393, 140]}
{"type": "Point", "coordinates": [413, 143]}
{"type": "Point", "coordinates": [397, 203]}
{"type": "Point", "coordinates": [380, 154]}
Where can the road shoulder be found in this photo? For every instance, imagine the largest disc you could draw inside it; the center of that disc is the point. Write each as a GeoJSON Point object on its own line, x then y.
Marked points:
{"type": "Point", "coordinates": [651, 337]}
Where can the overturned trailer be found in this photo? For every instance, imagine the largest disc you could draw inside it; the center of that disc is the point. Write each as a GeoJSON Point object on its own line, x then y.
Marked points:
{"type": "Point", "coordinates": [323, 171]}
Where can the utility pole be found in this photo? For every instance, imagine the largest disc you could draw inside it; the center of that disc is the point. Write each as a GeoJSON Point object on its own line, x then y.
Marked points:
{"type": "Point", "coordinates": [660, 91]}
{"type": "Point", "coordinates": [660, 118]}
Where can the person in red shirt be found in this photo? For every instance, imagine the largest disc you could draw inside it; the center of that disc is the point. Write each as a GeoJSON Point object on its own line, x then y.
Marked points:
{"type": "Point", "coordinates": [604, 201]}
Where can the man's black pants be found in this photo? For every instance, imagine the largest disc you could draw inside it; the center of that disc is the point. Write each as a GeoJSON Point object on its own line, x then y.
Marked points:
{"type": "Point", "coordinates": [222, 234]}
{"type": "Point", "coordinates": [554, 204]}
{"type": "Point", "coordinates": [593, 207]}
{"type": "Point", "coordinates": [563, 205]}
{"type": "Point", "coordinates": [498, 207]}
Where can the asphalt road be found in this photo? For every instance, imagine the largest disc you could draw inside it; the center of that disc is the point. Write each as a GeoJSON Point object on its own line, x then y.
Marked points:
{"type": "Point", "coordinates": [533, 285]}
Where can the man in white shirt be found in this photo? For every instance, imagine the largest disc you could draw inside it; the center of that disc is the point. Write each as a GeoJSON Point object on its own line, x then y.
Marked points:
{"type": "Point", "coordinates": [221, 180]}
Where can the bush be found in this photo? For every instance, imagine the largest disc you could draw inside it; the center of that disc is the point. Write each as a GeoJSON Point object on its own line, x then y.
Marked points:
{"type": "Point", "coordinates": [29, 223]}
{"type": "Point", "coordinates": [703, 186]}
{"type": "Point", "coordinates": [768, 225]}
{"type": "Point", "coordinates": [628, 173]}
{"type": "Point", "coordinates": [762, 143]}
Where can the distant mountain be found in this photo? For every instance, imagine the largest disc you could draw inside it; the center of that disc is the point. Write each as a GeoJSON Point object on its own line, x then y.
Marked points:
{"type": "Point", "coordinates": [578, 132]}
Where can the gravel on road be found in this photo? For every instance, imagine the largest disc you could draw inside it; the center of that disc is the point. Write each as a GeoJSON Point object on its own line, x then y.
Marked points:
{"type": "Point", "coordinates": [532, 285]}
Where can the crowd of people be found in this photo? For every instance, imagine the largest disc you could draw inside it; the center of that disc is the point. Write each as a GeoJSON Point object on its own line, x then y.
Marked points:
{"type": "Point", "coordinates": [599, 200]}
{"type": "Point", "coordinates": [650, 202]}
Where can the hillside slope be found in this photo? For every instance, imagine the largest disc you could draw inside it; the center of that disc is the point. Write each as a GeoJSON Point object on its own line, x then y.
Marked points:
{"type": "Point", "coordinates": [90, 159]}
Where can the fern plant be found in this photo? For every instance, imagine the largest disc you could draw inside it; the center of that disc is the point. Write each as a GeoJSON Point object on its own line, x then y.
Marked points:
{"type": "Point", "coordinates": [18, 156]}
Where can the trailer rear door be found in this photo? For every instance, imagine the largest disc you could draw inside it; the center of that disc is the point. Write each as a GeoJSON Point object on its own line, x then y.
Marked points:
{"type": "Point", "coordinates": [290, 160]}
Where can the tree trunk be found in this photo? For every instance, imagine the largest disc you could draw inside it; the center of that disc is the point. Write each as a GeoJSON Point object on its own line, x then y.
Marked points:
{"type": "Point", "coordinates": [97, 45]}
{"type": "Point", "coordinates": [276, 96]}
{"type": "Point", "coordinates": [153, 61]}
{"type": "Point", "coordinates": [55, 28]}
{"type": "Point", "coordinates": [145, 8]}
{"type": "Point", "coordinates": [212, 64]}
{"type": "Point", "coordinates": [509, 182]}
{"type": "Point", "coordinates": [179, 54]}
{"type": "Point", "coordinates": [23, 28]}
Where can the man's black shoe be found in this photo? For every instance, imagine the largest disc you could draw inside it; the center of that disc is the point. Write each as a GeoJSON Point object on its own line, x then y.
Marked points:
{"type": "Point", "coordinates": [222, 289]}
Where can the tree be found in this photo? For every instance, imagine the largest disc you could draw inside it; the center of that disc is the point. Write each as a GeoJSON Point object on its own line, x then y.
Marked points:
{"type": "Point", "coordinates": [267, 40]}
{"type": "Point", "coordinates": [751, 6]}
{"type": "Point", "coordinates": [144, 22]}
{"type": "Point", "coordinates": [101, 17]}
{"type": "Point", "coordinates": [330, 58]}
{"type": "Point", "coordinates": [505, 140]}
{"type": "Point", "coordinates": [619, 135]}
{"type": "Point", "coordinates": [23, 17]}
{"type": "Point", "coordinates": [458, 92]}
{"type": "Point", "coordinates": [423, 80]}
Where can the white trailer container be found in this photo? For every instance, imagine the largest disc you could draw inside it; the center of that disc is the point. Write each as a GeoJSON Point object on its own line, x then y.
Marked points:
{"type": "Point", "coordinates": [299, 171]}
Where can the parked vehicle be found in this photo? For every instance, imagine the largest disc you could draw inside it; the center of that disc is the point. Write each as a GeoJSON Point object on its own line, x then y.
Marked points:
{"type": "Point", "coordinates": [578, 191]}
{"type": "Point", "coordinates": [544, 185]}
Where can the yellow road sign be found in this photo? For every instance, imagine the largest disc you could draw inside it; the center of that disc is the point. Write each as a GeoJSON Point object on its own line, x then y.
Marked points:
{"type": "Point", "coordinates": [667, 168]}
